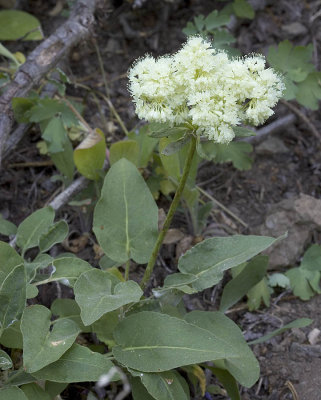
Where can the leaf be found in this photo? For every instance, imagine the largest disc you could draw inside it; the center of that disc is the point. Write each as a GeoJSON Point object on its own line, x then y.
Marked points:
{"type": "Point", "coordinates": [56, 234]}
{"type": "Point", "coordinates": [104, 327]}
{"type": "Point", "coordinates": [165, 385]}
{"type": "Point", "coordinates": [128, 149]}
{"type": "Point", "coordinates": [260, 292]}
{"type": "Point", "coordinates": [304, 283]}
{"type": "Point", "coordinates": [78, 364]}
{"type": "Point", "coordinates": [298, 323]}
{"type": "Point", "coordinates": [227, 381]}
{"type": "Point", "coordinates": [145, 143]}
{"type": "Point", "coordinates": [160, 130]}
{"type": "Point", "coordinates": [215, 20]}
{"type": "Point", "coordinates": [68, 308]}
{"type": "Point", "coordinates": [235, 152]}
{"type": "Point", "coordinates": [243, 9]}
{"type": "Point", "coordinates": [33, 227]}
{"type": "Point", "coordinates": [95, 297]}
{"type": "Point", "coordinates": [210, 258]}
{"type": "Point", "coordinates": [42, 346]}
{"type": "Point", "coordinates": [90, 155]}
{"type": "Point", "coordinates": [236, 288]}
{"type": "Point", "coordinates": [154, 342]}
{"type": "Point", "coordinates": [196, 375]}
{"type": "Point", "coordinates": [5, 361]}
{"type": "Point", "coordinates": [190, 29]}
{"type": "Point", "coordinates": [309, 91]}
{"type": "Point", "coordinates": [15, 24]}
{"type": "Point", "coordinates": [46, 109]}
{"type": "Point", "coordinates": [241, 131]}
{"type": "Point", "coordinates": [176, 146]}
{"type": "Point", "coordinates": [139, 392]}
{"type": "Point", "coordinates": [12, 393]}
{"type": "Point", "coordinates": [280, 280]}
{"type": "Point", "coordinates": [54, 388]}
{"type": "Point", "coordinates": [35, 392]}
{"type": "Point", "coordinates": [7, 228]}
{"type": "Point", "coordinates": [126, 215]}
{"type": "Point", "coordinates": [31, 291]}
{"type": "Point", "coordinates": [40, 262]}
{"type": "Point", "coordinates": [64, 160]}
{"type": "Point", "coordinates": [55, 135]}
{"type": "Point", "coordinates": [312, 258]}
{"type": "Point", "coordinates": [9, 259]}
{"type": "Point", "coordinates": [242, 364]}
{"type": "Point", "coordinates": [6, 53]}
{"type": "Point", "coordinates": [12, 296]}
{"type": "Point", "coordinates": [12, 337]}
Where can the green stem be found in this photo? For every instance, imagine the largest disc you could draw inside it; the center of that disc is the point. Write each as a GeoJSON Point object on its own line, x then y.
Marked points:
{"type": "Point", "coordinates": [170, 214]}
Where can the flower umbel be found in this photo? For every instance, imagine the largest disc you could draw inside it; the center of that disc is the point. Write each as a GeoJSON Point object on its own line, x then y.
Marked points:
{"type": "Point", "coordinates": [202, 86]}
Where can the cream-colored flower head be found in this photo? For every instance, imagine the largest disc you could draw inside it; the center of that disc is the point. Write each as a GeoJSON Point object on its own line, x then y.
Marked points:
{"type": "Point", "coordinates": [202, 86]}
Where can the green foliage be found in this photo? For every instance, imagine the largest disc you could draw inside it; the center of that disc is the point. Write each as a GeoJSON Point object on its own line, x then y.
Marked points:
{"type": "Point", "coordinates": [7, 228]}
{"type": "Point", "coordinates": [258, 294]}
{"type": "Point", "coordinates": [5, 361]}
{"type": "Point", "coordinates": [16, 24]}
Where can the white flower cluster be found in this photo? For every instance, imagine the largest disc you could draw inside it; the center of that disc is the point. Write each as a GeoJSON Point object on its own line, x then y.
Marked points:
{"type": "Point", "coordinates": [202, 86]}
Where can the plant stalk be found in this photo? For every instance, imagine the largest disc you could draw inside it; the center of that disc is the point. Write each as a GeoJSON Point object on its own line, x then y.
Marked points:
{"type": "Point", "coordinates": [170, 214]}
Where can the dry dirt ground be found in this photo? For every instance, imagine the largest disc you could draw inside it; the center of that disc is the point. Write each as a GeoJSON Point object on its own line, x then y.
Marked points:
{"type": "Point", "coordinates": [279, 172]}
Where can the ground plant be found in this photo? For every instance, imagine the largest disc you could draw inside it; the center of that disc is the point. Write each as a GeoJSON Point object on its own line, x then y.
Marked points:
{"type": "Point", "coordinates": [127, 336]}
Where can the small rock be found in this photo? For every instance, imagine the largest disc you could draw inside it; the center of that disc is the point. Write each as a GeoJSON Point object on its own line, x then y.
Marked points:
{"type": "Point", "coordinates": [272, 145]}
{"type": "Point", "coordinates": [295, 29]}
{"type": "Point", "coordinates": [313, 336]}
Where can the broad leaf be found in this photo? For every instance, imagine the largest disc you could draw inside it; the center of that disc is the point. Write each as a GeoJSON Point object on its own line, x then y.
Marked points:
{"type": "Point", "coordinates": [42, 346]}
{"type": "Point", "coordinates": [227, 381]}
{"type": "Point", "coordinates": [243, 9]}
{"type": "Point", "coordinates": [7, 228]}
{"type": "Point", "coordinates": [40, 262]}
{"type": "Point", "coordinates": [215, 20]}
{"type": "Point", "coordinates": [309, 91]}
{"type": "Point", "coordinates": [242, 365]}
{"type": "Point", "coordinates": [68, 308]}
{"type": "Point", "coordinates": [298, 323]}
{"type": "Point", "coordinates": [95, 297]}
{"type": "Point", "coordinates": [54, 388]}
{"type": "Point", "coordinates": [128, 149]}
{"type": "Point", "coordinates": [56, 234]}
{"type": "Point", "coordinates": [33, 227]}
{"type": "Point", "coordinates": [90, 154]}
{"type": "Point", "coordinates": [35, 392]}
{"type": "Point", "coordinates": [12, 297]}
{"type": "Point", "coordinates": [304, 283]}
{"type": "Point", "coordinates": [235, 289]}
{"type": "Point", "coordinates": [176, 146]}
{"type": "Point", "coordinates": [12, 337]}
{"type": "Point", "coordinates": [126, 216]}
{"type": "Point", "coordinates": [146, 145]}
{"type": "Point", "coordinates": [9, 259]}
{"type": "Point", "coordinates": [12, 393]}
{"type": "Point", "coordinates": [5, 361]}
{"type": "Point", "coordinates": [104, 327]}
{"type": "Point", "coordinates": [16, 24]}
{"type": "Point", "coordinates": [139, 392]}
{"type": "Point", "coordinates": [155, 342]}
{"type": "Point", "coordinates": [312, 258]}
{"type": "Point", "coordinates": [78, 364]}
{"type": "Point", "coordinates": [210, 258]}
{"type": "Point", "coordinates": [258, 294]}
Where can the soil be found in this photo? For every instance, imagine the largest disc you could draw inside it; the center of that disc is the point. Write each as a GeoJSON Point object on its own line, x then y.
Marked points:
{"type": "Point", "coordinates": [290, 365]}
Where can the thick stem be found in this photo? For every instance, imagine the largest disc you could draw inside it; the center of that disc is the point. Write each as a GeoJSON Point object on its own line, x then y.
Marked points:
{"type": "Point", "coordinates": [170, 214]}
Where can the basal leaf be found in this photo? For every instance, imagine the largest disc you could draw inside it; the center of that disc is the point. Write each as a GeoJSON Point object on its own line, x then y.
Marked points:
{"type": "Point", "coordinates": [95, 297]}
{"type": "Point", "coordinates": [7, 228]}
{"type": "Point", "coordinates": [12, 337]}
{"type": "Point", "coordinates": [128, 149]}
{"type": "Point", "coordinates": [155, 342]}
{"type": "Point", "coordinates": [9, 259]}
{"type": "Point", "coordinates": [33, 227]}
{"type": "Point", "coordinates": [243, 364]}
{"type": "Point", "coordinates": [16, 24]}
{"type": "Point", "coordinates": [126, 216]}
{"type": "Point", "coordinates": [235, 289]}
{"type": "Point", "coordinates": [55, 135]}
{"type": "Point", "coordinates": [12, 393]}
{"type": "Point", "coordinates": [139, 392]}
{"type": "Point", "coordinates": [35, 392]}
{"type": "Point", "coordinates": [68, 308]}
{"type": "Point", "coordinates": [146, 145]}
{"type": "Point", "coordinates": [5, 361]}
{"type": "Point", "coordinates": [210, 258]}
{"type": "Point", "coordinates": [90, 154]}
{"type": "Point", "coordinates": [78, 364]}
{"type": "Point", "coordinates": [227, 381]}
{"type": "Point", "coordinates": [56, 234]}
{"type": "Point", "coordinates": [42, 346]}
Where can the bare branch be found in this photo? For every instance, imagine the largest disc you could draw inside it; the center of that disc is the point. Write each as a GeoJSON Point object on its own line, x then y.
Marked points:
{"type": "Point", "coordinates": [43, 59]}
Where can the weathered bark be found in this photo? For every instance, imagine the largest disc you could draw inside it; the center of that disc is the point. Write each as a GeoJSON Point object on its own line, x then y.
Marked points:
{"type": "Point", "coordinates": [42, 60]}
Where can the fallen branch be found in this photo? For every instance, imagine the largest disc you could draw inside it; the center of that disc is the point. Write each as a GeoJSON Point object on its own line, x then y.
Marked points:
{"type": "Point", "coordinates": [42, 60]}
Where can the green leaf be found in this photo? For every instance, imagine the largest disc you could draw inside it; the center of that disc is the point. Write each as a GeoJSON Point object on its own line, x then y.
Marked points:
{"type": "Point", "coordinates": [210, 258]}
{"type": "Point", "coordinates": [12, 393]}
{"type": "Point", "coordinates": [105, 326]}
{"type": "Point", "coordinates": [6, 53]}
{"type": "Point", "coordinates": [40, 262]}
{"type": "Point", "coordinates": [260, 292]}
{"type": "Point", "coordinates": [304, 283]}
{"type": "Point", "coordinates": [126, 216]}
{"type": "Point", "coordinates": [56, 234]}
{"type": "Point", "coordinates": [20, 107]}
{"type": "Point", "coordinates": [90, 155]}
{"type": "Point", "coordinates": [170, 163]}
{"type": "Point", "coordinates": [139, 392]}
{"type": "Point", "coordinates": [155, 342]}
{"type": "Point", "coordinates": [199, 22]}
{"type": "Point", "coordinates": [227, 381]}
{"type": "Point", "coordinates": [235, 289]}
{"type": "Point", "coordinates": [298, 323]}
{"type": "Point", "coordinates": [42, 346]}
{"type": "Point", "coordinates": [31, 291]}
{"type": "Point", "coordinates": [7, 228]}
{"type": "Point", "coordinates": [9, 259]}
{"type": "Point", "coordinates": [95, 297]}
{"type": "Point", "coordinates": [15, 24]}
{"type": "Point", "coordinates": [190, 29]}
{"type": "Point", "coordinates": [215, 20]}
{"type": "Point", "coordinates": [12, 296]}
{"type": "Point", "coordinates": [78, 364]}
{"type": "Point", "coordinates": [235, 152]}
{"type": "Point", "coordinates": [33, 227]}
{"type": "Point", "coordinates": [280, 280]}
{"type": "Point", "coordinates": [175, 147]}
{"type": "Point", "coordinates": [243, 9]}
{"type": "Point", "coordinates": [55, 135]}
{"type": "Point", "coordinates": [5, 361]}
{"type": "Point", "coordinates": [46, 108]}
{"type": "Point", "coordinates": [54, 388]}
{"type": "Point", "coordinates": [312, 258]}
{"type": "Point", "coordinates": [240, 131]}
{"type": "Point", "coordinates": [309, 91]}
{"type": "Point", "coordinates": [64, 160]}
{"type": "Point", "coordinates": [145, 143]}
{"type": "Point", "coordinates": [128, 149]}
{"type": "Point", "coordinates": [68, 308]}
{"type": "Point", "coordinates": [165, 385]}
{"type": "Point", "coordinates": [242, 364]}
{"type": "Point", "coordinates": [35, 392]}
{"type": "Point", "coordinates": [160, 130]}
{"type": "Point", "coordinates": [12, 337]}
